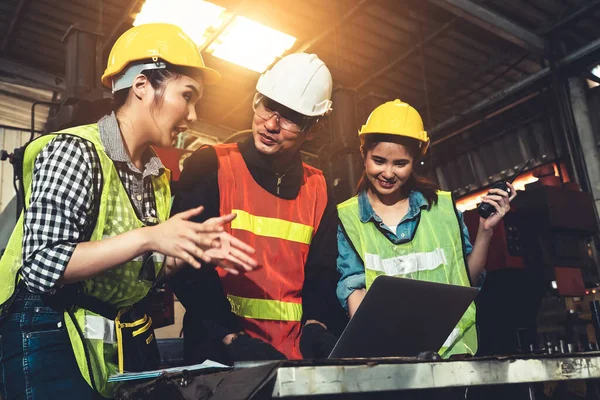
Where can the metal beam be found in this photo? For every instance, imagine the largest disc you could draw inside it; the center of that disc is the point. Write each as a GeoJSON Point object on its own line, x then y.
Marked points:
{"type": "Point", "coordinates": [466, 78]}
{"type": "Point", "coordinates": [307, 45]}
{"type": "Point", "coordinates": [17, 128]}
{"type": "Point", "coordinates": [22, 82]}
{"type": "Point", "coordinates": [18, 96]}
{"type": "Point", "coordinates": [583, 11]}
{"type": "Point", "coordinates": [349, 14]}
{"type": "Point", "coordinates": [587, 138]}
{"type": "Point", "coordinates": [14, 23]}
{"type": "Point", "coordinates": [494, 23]}
{"type": "Point", "coordinates": [29, 76]}
{"type": "Point", "coordinates": [406, 54]}
{"type": "Point", "coordinates": [578, 58]}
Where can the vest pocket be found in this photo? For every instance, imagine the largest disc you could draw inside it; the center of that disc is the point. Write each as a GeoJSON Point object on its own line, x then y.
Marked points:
{"type": "Point", "coordinates": [136, 343]}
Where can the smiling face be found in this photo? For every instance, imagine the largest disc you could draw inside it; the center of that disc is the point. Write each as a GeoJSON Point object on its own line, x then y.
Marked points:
{"type": "Point", "coordinates": [172, 108]}
{"type": "Point", "coordinates": [388, 166]}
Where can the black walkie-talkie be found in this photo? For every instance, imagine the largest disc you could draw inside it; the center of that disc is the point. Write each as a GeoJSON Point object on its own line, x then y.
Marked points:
{"type": "Point", "coordinates": [486, 209]}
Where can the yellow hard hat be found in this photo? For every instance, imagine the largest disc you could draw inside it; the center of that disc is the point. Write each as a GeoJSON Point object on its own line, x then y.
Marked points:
{"type": "Point", "coordinates": [153, 42]}
{"type": "Point", "coordinates": [397, 118]}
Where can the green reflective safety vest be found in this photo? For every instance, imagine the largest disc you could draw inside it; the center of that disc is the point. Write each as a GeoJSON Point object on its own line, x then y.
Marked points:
{"type": "Point", "coordinates": [435, 254]}
{"type": "Point", "coordinates": [120, 287]}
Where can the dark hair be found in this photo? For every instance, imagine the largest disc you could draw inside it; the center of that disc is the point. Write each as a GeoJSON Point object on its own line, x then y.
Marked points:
{"type": "Point", "coordinates": [415, 182]}
{"type": "Point", "coordinates": [157, 78]}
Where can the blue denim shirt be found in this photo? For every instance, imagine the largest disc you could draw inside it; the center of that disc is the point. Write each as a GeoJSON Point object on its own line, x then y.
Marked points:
{"type": "Point", "coordinates": [351, 266]}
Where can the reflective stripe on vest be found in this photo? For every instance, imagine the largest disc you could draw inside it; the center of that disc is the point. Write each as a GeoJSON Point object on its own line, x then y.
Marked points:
{"type": "Point", "coordinates": [434, 254]}
{"type": "Point", "coordinates": [272, 227]}
{"type": "Point", "coordinates": [274, 310]}
{"type": "Point", "coordinates": [407, 264]}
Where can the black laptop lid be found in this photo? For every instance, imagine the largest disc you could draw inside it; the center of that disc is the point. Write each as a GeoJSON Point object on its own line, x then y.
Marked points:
{"type": "Point", "coordinates": [403, 317]}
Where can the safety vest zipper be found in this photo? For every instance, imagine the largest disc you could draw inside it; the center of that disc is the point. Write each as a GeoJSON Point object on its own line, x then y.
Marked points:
{"type": "Point", "coordinates": [279, 178]}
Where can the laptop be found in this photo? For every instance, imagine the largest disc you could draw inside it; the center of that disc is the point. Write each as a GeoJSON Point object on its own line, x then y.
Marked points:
{"type": "Point", "coordinates": [403, 317]}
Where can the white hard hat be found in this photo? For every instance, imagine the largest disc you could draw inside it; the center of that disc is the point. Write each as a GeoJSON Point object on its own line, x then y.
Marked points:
{"type": "Point", "coordinates": [300, 82]}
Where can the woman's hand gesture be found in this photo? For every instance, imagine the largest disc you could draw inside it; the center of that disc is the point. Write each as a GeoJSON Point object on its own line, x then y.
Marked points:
{"type": "Point", "coordinates": [189, 242]}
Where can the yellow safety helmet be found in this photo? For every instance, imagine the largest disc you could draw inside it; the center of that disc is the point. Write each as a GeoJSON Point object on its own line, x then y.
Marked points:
{"type": "Point", "coordinates": [396, 118]}
{"type": "Point", "coordinates": [155, 42]}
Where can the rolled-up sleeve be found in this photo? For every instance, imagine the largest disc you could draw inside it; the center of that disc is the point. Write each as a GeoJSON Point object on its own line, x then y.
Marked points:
{"type": "Point", "coordinates": [351, 268]}
{"type": "Point", "coordinates": [465, 233]}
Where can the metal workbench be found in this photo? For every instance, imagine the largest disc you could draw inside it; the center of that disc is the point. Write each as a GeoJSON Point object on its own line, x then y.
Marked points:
{"type": "Point", "coordinates": [397, 374]}
{"type": "Point", "coordinates": [490, 378]}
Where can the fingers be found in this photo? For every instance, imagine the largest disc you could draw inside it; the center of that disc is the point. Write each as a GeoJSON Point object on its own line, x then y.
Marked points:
{"type": "Point", "coordinates": [498, 192]}
{"type": "Point", "coordinates": [495, 204]}
{"type": "Point", "coordinates": [513, 191]}
{"type": "Point", "coordinates": [205, 227]}
{"type": "Point", "coordinates": [205, 246]}
{"type": "Point", "coordinates": [222, 220]}
{"type": "Point", "coordinates": [214, 224]}
{"type": "Point", "coordinates": [502, 201]}
{"type": "Point", "coordinates": [189, 213]}
{"type": "Point", "coordinates": [210, 225]}
{"type": "Point", "coordinates": [228, 218]}
{"type": "Point", "coordinates": [238, 265]}
{"type": "Point", "coordinates": [238, 244]}
{"type": "Point", "coordinates": [234, 266]}
{"type": "Point", "coordinates": [238, 249]}
{"type": "Point", "coordinates": [204, 240]}
{"type": "Point", "coordinates": [233, 260]}
{"type": "Point", "coordinates": [189, 253]}
{"type": "Point", "coordinates": [230, 270]}
{"type": "Point", "coordinates": [247, 262]}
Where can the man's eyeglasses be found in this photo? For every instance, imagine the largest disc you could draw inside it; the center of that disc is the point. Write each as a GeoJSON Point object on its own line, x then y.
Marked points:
{"type": "Point", "coordinates": [288, 119]}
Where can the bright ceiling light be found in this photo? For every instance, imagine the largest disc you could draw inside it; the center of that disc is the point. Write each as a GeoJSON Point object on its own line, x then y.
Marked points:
{"type": "Point", "coordinates": [244, 42]}
{"type": "Point", "coordinates": [199, 19]}
{"type": "Point", "coordinates": [250, 44]}
{"type": "Point", "coordinates": [596, 71]}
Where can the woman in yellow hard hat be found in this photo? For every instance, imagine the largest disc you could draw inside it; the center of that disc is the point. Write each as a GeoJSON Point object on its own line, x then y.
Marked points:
{"type": "Point", "coordinates": [96, 234]}
{"type": "Point", "coordinates": [400, 224]}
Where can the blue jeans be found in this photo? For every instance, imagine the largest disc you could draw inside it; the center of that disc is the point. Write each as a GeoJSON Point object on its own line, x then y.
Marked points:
{"type": "Point", "coordinates": [36, 357]}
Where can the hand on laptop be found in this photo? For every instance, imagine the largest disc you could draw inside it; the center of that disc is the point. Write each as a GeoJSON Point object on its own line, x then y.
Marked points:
{"type": "Point", "coordinates": [316, 341]}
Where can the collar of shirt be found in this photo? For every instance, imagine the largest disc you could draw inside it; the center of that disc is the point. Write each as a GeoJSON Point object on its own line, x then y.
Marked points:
{"type": "Point", "coordinates": [416, 201]}
{"type": "Point", "coordinates": [261, 168]}
{"type": "Point", "coordinates": [110, 135]}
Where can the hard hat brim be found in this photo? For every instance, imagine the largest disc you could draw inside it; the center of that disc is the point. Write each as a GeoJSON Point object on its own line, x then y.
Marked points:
{"type": "Point", "coordinates": [424, 138]}
{"type": "Point", "coordinates": [424, 143]}
{"type": "Point", "coordinates": [211, 76]}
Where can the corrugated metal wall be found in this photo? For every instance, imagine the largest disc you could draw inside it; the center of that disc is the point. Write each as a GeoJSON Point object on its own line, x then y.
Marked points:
{"type": "Point", "coordinates": [497, 147]}
{"type": "Point", "coordinates": [9, 140]}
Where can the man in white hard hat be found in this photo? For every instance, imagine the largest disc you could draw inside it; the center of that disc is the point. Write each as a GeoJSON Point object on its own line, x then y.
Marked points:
{"type": "Point", "coordinates": [287, 307]}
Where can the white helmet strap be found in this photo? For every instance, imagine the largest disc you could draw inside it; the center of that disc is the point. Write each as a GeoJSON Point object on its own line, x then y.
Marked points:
{"type": "Point", "coordinates": [125, 79]}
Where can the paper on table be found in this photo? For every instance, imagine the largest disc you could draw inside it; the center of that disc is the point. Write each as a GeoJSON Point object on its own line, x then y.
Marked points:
{"type": "Point", "coordinates": [130, 376]}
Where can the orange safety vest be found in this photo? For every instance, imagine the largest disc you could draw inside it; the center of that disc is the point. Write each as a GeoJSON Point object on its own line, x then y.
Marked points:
{"type": "Point", "coordinates": [269, 300]}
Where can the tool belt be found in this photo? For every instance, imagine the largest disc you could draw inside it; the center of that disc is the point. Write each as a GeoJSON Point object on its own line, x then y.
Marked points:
{"type": "Point", "coordinates": [136, 344]}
